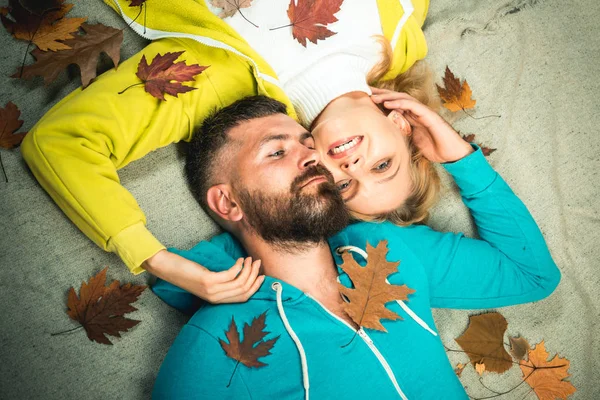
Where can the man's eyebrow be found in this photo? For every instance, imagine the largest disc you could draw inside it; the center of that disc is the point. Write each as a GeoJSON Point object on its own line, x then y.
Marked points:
{"type": "Point", "coordinates": [389, 178]}
{"type": "Point", "coordinates": [283, 136]}
{"type": "Point", "coordinates": [270, 138]}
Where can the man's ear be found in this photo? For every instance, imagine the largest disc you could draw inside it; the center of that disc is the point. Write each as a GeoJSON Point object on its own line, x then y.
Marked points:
{"type": "Point", "coordinates": [401, 122]}
{"type": "Point", "coordinates": [221, 202]}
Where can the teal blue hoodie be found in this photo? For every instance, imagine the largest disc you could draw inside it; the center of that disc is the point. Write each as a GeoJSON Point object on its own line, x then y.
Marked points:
{"type": "Point", "coordinates": [509, 265]}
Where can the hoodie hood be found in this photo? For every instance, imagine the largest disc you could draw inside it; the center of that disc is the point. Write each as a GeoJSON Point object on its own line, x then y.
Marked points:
{"type": "Point", "coordinates": [190, 19]}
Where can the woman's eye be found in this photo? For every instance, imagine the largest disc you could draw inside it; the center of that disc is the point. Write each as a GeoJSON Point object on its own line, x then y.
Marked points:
{"type": "Point", "coordinates": [343, 185]}
{"type": "Point", "coordinates": [278, 153]}
{"type": "Point", "coordinates": [383, 166]}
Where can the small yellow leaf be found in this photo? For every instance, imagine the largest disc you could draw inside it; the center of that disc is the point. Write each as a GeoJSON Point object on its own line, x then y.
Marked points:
{"type": "Point", "coordinates": [480, 368]}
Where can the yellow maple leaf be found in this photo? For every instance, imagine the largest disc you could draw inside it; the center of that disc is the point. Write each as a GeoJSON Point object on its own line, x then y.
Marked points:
{"type": "Point", "coordinates": [456, 96]}
{"type": "Point", "coordinates": [547, 377]}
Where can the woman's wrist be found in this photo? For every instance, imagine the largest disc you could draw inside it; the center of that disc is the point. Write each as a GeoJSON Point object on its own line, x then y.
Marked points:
{"type": "Point", "coordinates": [460, 151]}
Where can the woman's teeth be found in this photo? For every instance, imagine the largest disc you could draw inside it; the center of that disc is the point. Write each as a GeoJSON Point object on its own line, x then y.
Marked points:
{"type": "Point", "coordinates": [343, 147]}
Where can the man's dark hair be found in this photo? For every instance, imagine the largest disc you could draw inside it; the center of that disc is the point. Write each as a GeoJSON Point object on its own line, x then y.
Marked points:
{"type": "Point", "coordinates": [209, 140]}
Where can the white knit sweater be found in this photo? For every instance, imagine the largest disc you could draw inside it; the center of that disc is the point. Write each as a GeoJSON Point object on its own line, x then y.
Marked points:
{"type": "Point", "coordinates": [314, 75]}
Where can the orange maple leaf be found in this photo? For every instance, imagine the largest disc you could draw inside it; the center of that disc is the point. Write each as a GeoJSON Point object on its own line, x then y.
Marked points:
{"type": "Point", "coordinates": [9, 123]}
{"type": "Point", "coordinates": [100, 309]}
{"type": "Point", "coordinates": [371, 290]}
{"type": "Point", "coordinates": [44, 30]}
{"type": "Point", "coordinates": [548, 382]}
{"type": "Point", "coordinates": [310, 17]}
{"type": "Point", "coordinates": [456, 96]}
{"type": "Point", "coordinates": [483, 341]}
{"type": "Point", "coordinates": [252, 347]}
{"type": "Point", "coordinates": [164, 76]}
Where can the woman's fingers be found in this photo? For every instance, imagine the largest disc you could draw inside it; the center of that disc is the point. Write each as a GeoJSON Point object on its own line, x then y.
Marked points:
{"type": "Point", "coordinates": [244, 296]}
{"type": "Point", "coordinates": [230, 274]}
{"type": "Point", "coordinates": [243, 281]}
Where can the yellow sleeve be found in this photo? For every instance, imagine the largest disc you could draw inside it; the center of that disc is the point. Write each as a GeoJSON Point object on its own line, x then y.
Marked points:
{"type": "Point", "coordinates": [74, 151]}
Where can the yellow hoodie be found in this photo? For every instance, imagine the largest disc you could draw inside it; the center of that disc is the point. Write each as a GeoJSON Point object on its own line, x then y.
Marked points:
{"type": "Point", "coordinates": [74, 151]}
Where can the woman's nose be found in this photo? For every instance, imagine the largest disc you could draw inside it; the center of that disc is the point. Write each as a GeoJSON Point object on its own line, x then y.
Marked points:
{"type": "Point", "coordinates": [351, 163]}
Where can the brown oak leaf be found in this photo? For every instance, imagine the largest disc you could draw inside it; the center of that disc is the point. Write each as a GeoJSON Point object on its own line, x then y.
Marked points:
{"type": "Point", "coordinates": [230, 7]}
{"type": "Point", "coordinates": [483, 341]}
{"type": "Point", "coordinates": [309, 19]}
{"type": "Point", "coordinates": [44, 30]}
{"type": "Point", "coordinates": [84, 51]}
{"type": "Point", "coordinates": [249, 350]}
{"type": "Point", "coordinates": [371, 291]}
{"type": "Point", "coordinates": [547, 377]}
{"type": "Point", "coordinates": [486, 150]}
{"type": "Point", "coordinates": [100, 309]}
{"type": "Point", "coordinates": [456, 96]}
{"type": "Point", "coordinates": [163, 76]}
{"type": "Point", "coordinates": [518, 347]}
{"type": "Point", "coordinates": [10, 123]}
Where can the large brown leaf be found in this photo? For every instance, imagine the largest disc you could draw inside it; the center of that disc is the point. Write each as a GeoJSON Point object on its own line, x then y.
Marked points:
{"type": "Point", "coordinates": [548, 381]}
{"type": "Point", "coordinates": [164, 76]}
{"type": "Point", "coordinates": [483, 341]}
{"type": "Point", "coordinates": [46, 29]}
{"type": "Point", "coordinates": [252, 347]}
{"type": "Point", "coordinates": [371, 291]}
{"type": "Point", "coordinates": [100, 309]}
{"type": "Point", "coordinates": [84, 51]}
{"type": "Point", "coordinates": [456, 96]}
{"type": "Point", "coordinates": [310, 17]}
{"type": "Point", "coordinates": [10, 123]}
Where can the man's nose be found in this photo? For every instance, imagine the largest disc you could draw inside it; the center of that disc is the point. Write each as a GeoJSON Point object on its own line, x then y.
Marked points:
{"type": "Point", "coordinates": [310, 157]}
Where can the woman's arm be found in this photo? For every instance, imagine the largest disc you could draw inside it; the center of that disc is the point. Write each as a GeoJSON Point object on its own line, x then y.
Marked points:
{"type": "Point", "coordinates": [511, 263]}
{"type": "Point", "coordinates": [74, 151]}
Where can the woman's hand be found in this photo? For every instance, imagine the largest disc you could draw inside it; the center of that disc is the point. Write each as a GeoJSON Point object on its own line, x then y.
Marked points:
{"type": "Point", "coordinates": [432, 135]}
{"type": "Point", "coordinates": [234, 285]}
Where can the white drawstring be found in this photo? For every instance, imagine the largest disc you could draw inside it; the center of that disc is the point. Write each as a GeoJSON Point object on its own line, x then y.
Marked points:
{"type": "Point", "coordinates": [276, 286]}
{"type": "Point", "coordinates": [402, 304]}
{"type": "Point", "coordinates": [407, 8]}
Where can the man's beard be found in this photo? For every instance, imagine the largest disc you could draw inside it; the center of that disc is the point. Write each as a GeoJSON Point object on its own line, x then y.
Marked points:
{"type": "Point", "coordinates": [298, 217]}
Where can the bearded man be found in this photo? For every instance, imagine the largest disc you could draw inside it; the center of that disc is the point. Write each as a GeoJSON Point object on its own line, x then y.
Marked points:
{"type": "Point", "coordinates": [255, 171]}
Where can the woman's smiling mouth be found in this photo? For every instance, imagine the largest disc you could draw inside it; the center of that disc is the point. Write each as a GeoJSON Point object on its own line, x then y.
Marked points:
{"type": "Point", "coordinates": [344, 147]}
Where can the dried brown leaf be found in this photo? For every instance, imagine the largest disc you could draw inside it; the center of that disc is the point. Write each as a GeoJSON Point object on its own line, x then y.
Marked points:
{"type": "Point", "coordinates": [371, 291]}
{"type": "Point", "coordinates": [483, 341]}
{"type": "Point", "coordinates": [9, 124]}
{"type": "Point", "coordinates": [100, 309]}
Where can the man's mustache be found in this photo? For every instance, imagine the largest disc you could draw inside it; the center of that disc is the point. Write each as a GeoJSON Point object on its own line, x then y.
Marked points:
{"type": "Point", "coordinates": [310, 173]}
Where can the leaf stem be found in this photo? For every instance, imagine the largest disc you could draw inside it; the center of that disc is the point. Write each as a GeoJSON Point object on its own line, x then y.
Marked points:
{"type": "Point", "coordinates": [65, 332]}
{"type": "Point", "coordinates": [486, 116]}
{"type": "Point", "coordinates": [279, 27]}
{"type": "Point", "coordinates": [136, 17]}
{"type": "Point", "coordinates": [233, 373]}
{"type": "Point", "coordinates": [3, 170]}
{"type": "Point", "coordinates": [243, 16]}
{"type": "Point", "coordinates": [29, 44]}
{"type": "Point", "coordinates": [130, 86]}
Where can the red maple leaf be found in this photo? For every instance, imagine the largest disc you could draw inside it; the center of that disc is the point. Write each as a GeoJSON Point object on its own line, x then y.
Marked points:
{"type": "Point", "coordinates": [164, 76]}
{"type": "Point", "coordinates": [310, 17]}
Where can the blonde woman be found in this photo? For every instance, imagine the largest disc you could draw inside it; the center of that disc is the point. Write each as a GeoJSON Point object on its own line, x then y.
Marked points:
{"type": "Point", "coordinates": [76, 149]}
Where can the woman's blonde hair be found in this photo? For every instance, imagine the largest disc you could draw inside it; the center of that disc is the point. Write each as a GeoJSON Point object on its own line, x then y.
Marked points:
{"type": "Point", "coordinates": [417, 81]}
